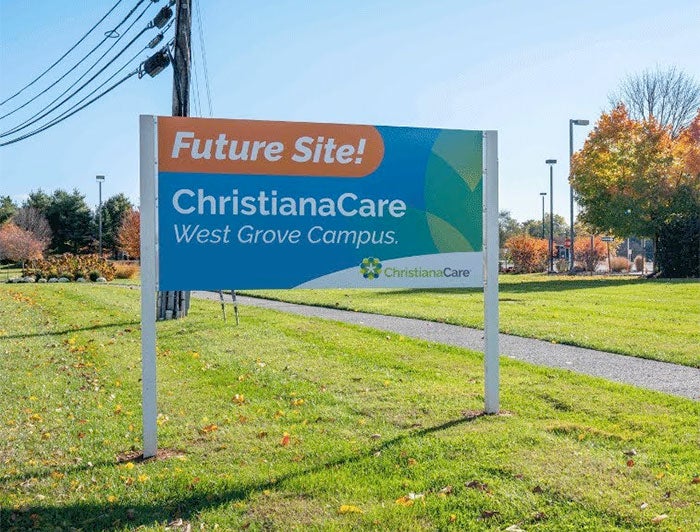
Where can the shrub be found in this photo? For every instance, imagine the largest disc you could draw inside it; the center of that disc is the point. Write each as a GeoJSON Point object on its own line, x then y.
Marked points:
{"type": "Point", "coordinates": [619, 264]}
{"type": "Point", "coordinates": [72, 267]}
{"type": "Point", "coordinates": [528, 254]}
{"type": "Point", "coordinates": [639, 263]}
{"type": "Point", "coordinates": [125, 271]}
{"type": "Point", "coordinates": [94, 275]}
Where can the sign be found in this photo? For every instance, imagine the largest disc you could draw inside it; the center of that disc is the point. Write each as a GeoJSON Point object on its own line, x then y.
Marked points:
{"type": "Point", "coordinates": [607, 238]}
{"type": "Point", "coordinates": [567, 242]}
{"type": "Point", "coordinates": [257, 204]}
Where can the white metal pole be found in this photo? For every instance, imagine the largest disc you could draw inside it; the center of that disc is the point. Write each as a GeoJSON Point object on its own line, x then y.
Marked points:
{"type": "Point", "coordinates": [491, 348]}
{"type": "Point", "coordinates": [149, 174]}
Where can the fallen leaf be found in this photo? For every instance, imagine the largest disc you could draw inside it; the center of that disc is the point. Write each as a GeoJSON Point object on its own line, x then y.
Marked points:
{"type": "Point", "coordinates": [631, 452]}
{"type": "Point", "coordinates": [630, 463]}
{"type": "Point", "coordinates": [297, 402]}
{"type": "Point", "coordinates": [537, 489]}
{"type": "Point", "coordinates": [453, 518]}
{"type": "Point", "coordinates": [514, 528]}
{"type": "Point", "coordinates": [404, 501]}
{"type": "Point", "coordinates": [656, 520]}
{"type": "Point", "coordinates": [285, 440]}
{"type": "Point", "coordinates": [349, 509]}
{"type": "Point", "coordinates": [412, 461]}
{"type": "Point", "coordinates": [696, 480]}
{"type": "Point", "coordinates": [643, 506]}
{"type": "Point", "coordinates": [239, 399]}
{"type": "Point", "coordinates": [447, 490]}
{"type": "Point", "coordinates": [208, 428]}
{"type": "Point", "coordinates": [111, 499]}
{"type": "Point", "coordinates": [488, 514]}
{"type": "Point", "coordinates": [475, 484]}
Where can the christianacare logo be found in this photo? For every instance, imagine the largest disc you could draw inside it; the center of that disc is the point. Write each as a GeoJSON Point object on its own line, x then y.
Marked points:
{"type": "Point", "coordinates": [370, 267]}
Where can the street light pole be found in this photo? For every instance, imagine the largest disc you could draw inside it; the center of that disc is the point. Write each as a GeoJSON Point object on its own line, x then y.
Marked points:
{"type": "Point", "coordinates": [551, 163]}
{"type": "Point", "coordinates": [543, 194]}
{"type": "Point", "coordinates": [572, 123]}
{"type": "Point", "coordinates": [100, 179]}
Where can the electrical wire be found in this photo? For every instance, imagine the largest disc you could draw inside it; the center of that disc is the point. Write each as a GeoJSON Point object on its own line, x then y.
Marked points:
{"type": "Point", "coordinates": [39, 115]}
{"type": "Point", "coordinates": [62, 57]}
{"type": "Point", "coordinates": [52, 85]}
{"type": "Point", "coordinates": [114, 75]}
{"type": "Point", "coordinates": [194, 94]}
{"type": "Point", "coordinates": [203, 51]}
{"type": "Point", "coordinates": [57, 121]}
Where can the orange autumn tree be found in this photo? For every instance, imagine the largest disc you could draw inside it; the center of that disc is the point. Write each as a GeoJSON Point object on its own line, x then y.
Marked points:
{"type": "Point", "coordinates": [19, 245]}
{"type": "Point", "coordinates": [589, 254]}
{"type": "Point", "coordinates": [527, 253]}
{"type": "Point", "coordinates": [633, 178]}
{"type": "Point", "coordinates": [129, 236]}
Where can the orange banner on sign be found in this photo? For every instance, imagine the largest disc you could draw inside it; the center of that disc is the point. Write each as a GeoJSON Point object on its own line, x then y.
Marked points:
{"type": "Point", "coordinates": [218, 146]}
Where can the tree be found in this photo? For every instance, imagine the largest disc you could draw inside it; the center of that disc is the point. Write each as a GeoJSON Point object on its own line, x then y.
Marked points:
{"type": "Point", "coordinates": [507, 227]}
{"type": "Point", "coordinates": [632, 177]}
{"type": "Point", "coordinates": [589, 251]}
{"type": "Point", "coordinates": [40, 200]}
{"type": "Point", "coordinates": [31, 219]}
{"type": "Point", "coordinates": [528, 254]}
{"type": "Point", "coordinates": [7, 208]}
{"type": "Point", "coordinates": [113, 212]}
{"type": "Point", "coordinates": [71, 222]}
{"type": "Point", "coordinates": [669, 96]}
{"type": "Point", "coordinates": [534, 227]}
{"type": "Point", "coordinates": [129, 234]}
{"type": "Point", "coordinates": [18, 245]}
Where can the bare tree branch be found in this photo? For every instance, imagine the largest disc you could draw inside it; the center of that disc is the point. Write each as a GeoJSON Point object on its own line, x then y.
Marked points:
{"type": "Point", "coordinates": [670, 96]}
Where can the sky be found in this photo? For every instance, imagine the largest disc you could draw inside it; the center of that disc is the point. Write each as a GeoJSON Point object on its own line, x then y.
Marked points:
{"type": "Point", "coordinates": [521, 68]}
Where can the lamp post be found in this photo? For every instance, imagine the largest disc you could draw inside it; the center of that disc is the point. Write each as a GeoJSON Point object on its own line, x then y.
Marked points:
{"type": "Point", "coordinates": [572, 123]}
{"type": "Point", "coordinates": [100, 179]}
{"type": "Point", "coordinates": [543, 194]}
{"type": "Point", "coordinates": [551, 163]}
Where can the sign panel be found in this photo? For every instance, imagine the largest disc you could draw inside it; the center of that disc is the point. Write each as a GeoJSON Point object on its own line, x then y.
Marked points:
{"type": "Point", "coordinates": [259, 204]}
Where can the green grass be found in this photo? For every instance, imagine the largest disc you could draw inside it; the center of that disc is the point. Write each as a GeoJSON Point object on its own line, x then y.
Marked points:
{"type": "Point", "coordinates": [8, 271]}
{"type": "Point", "coordinates": [656, 319]}
{"type": "Point", "coordinates": [371, 419]}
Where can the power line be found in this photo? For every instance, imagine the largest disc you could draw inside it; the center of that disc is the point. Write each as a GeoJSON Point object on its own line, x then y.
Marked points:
{"type": "Point", "coordinates": [203, 51]}
{"type": "Point", "coordinates": [39, 115]}
{"type": "Point", "coordinates": [63, 56]}
{"type": "Point", "coordinates": [57, 121]}
{"type": "Point", "coordinates": [108, 35]}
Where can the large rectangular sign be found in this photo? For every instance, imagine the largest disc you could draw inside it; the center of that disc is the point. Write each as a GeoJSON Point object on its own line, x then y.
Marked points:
{"type": "Point", "coordinates": [254, 204]}
{"type": "Point", "coordinates": [259, 204]}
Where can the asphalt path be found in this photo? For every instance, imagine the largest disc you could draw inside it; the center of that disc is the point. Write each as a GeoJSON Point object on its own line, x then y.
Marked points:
{"type": "Point", "coordinates": [664, 377]}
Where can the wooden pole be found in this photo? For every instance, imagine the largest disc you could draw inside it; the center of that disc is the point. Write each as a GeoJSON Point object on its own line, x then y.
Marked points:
{"type": "Point", "coordinates": [177, 303]}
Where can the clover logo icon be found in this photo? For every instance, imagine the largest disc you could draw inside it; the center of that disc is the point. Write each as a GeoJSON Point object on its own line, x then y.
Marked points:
{"type": "Point", "coordinates": [370, 267]}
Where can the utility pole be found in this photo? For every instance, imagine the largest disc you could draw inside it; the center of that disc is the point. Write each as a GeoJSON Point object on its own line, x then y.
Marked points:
{"type": "Point", "coordinates": [174, 305]}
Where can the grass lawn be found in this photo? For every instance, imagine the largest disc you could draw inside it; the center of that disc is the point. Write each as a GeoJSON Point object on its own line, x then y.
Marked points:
{"type": "Point", "coordinates": [657, 319]}
{"type": "Point", "coordinates": [285, 422]}
{"type": "Point", "coordinates": [9, 270]}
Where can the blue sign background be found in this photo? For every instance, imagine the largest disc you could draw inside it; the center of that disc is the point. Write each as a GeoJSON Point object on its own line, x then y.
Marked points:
{"type": "Point", "coordinates": [437, 173]}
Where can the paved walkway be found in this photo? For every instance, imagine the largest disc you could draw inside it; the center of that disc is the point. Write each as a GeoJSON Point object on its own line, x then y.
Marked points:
{"type": "Point", "coordinates": [661, 376]}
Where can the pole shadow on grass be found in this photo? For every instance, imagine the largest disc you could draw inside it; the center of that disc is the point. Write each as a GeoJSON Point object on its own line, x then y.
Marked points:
{"type": "Point", "coordinates": [117, 515]}
{"type": "Point", "coordinates": [69, 331]}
